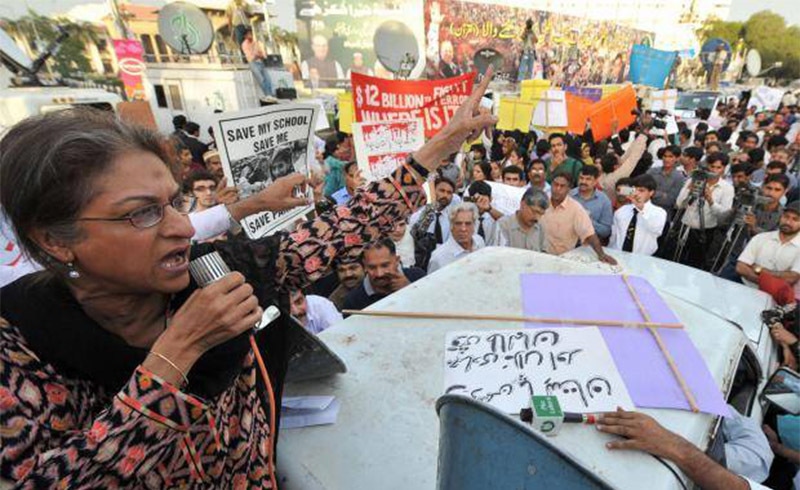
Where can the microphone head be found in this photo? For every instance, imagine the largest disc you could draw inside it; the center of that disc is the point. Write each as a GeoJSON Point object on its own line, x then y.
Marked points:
{"type": "Point", "coordinates": [208, 268]}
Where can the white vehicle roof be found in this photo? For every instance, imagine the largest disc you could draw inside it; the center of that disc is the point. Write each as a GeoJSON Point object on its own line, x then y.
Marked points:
{"type": "Point", "coordinates": [386, 435]}
{"type": "Point", "coordinates": [17, 104]}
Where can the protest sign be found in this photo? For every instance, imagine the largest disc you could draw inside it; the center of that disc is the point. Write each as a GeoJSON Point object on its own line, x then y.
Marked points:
{"type": "Point", "coordinates": [766, 98]}
{"type": "Point", "coordinates": [592, 93]}
{"type": "Point", "coordinates": [505, 368]}
{"type": "Point", "coordinates": [262, 145]}
{"type": "Point", "coordinates": [515, 114]}
{"type": "Point", "coordinates": [433, 101]}
{"type": "Point", "coordinates": [505, 198]}
{"type": "Point", "coordinates": [131, 66]}
{"type": "Point", "coordinates": [650, 66]}
{"type": "Point", "coordinates": [551, 110]}
{"type": "Point", "coordinates": [382, 146]}
{"type": "Point", "coordinates": [663, 100]}
{"type": "Point", "coordinates": [618, 107]}
{"type": "Point", "coordinates": [346, 113]}
{"type": "Point", "coordinates": [611, 88]}
{"type": "Point", "coordinates": [577, 113]}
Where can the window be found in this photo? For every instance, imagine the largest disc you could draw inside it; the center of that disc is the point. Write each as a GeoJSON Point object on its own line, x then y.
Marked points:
{"type": "Point", "coordinates": [147, 44]}
{"type": "Point", "coordinates": [175, 97]}
{"type": "Point", "coordinates": [161, 46]}
{"type": "Point", "coordinates": [161, 97]}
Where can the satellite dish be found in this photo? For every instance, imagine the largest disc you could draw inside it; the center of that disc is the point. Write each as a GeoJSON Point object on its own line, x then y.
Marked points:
{"type": "Point", "coordinates": [486, 57]}
{"type": "Point", "coordinates": [395, 46]}
{"type": "Point", "coordinates": [753, 63]}
{"type": "Point", "coordinates": [10, 52]}
{"type": "Point", "coordinates": [708, 52]}
{"type": "Point", "coordinates": [185, 28]}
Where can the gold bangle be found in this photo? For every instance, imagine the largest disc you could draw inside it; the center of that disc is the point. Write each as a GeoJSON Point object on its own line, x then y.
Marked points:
{"type": "Point", "coordinates": [174, 366]}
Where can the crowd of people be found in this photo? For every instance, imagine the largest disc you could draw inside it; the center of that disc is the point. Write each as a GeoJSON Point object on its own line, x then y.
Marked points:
{"type": "Point", "coordinates": [112, 348]}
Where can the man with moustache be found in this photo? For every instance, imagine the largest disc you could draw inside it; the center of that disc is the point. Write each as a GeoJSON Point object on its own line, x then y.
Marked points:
{"type": "Point", "coordinates": [384, 275]}
{"type": "Point", "coordinates": [350, 273]}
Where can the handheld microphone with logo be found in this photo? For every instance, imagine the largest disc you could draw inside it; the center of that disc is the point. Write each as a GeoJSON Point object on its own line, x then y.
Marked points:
{"type": "Point", "coordinates": [210, 268]}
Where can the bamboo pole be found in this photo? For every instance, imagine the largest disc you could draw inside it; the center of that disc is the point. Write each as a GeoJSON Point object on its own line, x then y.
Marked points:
{"type": "Point", "coordinates": [670, 361]}
{"type": "Point", "coordinates": [510, 318]}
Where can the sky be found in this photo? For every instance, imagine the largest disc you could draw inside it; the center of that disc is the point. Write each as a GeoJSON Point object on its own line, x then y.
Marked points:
{"type": "Point", "coordinates": [740, 9]}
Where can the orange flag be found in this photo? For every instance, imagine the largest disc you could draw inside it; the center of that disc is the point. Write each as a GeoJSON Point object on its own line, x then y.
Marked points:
{"type": "Point", "coordinates": [618, 106]}
{"type": "Point", "coordinates": [577, 113]}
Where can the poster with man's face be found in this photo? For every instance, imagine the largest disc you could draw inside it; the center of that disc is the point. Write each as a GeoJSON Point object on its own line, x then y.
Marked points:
{"type": "Point", "coordinates": [260, 146]}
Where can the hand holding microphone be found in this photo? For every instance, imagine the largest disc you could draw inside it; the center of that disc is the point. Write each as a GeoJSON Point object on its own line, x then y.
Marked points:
{"type": "Point", "coordinates": [222, 309]}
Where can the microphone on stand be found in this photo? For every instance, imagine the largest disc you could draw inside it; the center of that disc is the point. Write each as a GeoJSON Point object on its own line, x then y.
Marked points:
{"type": "Point", "coordinates": [210, 268]}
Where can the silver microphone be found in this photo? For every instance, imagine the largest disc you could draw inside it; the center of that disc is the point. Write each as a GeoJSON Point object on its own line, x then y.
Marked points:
{"type": "Point", "coordinates": [210, 268]}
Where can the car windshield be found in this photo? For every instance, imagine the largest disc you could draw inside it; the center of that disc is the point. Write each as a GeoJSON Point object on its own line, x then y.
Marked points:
{"type": "Point", "coordinates": [694, 101]}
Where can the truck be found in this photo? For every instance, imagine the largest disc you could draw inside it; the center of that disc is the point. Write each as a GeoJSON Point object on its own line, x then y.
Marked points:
{"type": "Point", "coordinates": [23, 93]}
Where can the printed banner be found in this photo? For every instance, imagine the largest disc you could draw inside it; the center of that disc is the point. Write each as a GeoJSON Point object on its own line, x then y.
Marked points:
{"type": "Point", "coordinates": [262, 145]}
{"type": "Point", "coordinates": [340, 37]}
{"type": "Point", "coordinates": [505, 368]}
{"type": "Point", "coordinates": [570, 50]}
{"type": "Point", "coordinates": [650, 66]}
{"type": "Point", "coordinates": [618, 107]}
{"type": "Point", "coordinates": [434, 101]}
{"type": "Point", "coordinates": [131, 66]}
{"type": "Point", "coordinates": [382, 146]}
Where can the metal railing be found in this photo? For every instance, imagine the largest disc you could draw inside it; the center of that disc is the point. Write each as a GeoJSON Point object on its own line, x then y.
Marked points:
{"type": "Point", "coordinates": [211, 59]}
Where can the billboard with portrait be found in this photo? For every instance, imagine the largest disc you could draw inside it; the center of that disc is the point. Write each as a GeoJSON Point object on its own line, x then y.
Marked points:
{"type": "Point", "coordinates": [569, 51]}
{"type": "Point", "coordinates": [337, 37]}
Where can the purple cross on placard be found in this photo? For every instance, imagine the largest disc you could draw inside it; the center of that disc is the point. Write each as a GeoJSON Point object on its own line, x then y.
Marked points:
{"type": "Point", "coordinates": [641, 364]}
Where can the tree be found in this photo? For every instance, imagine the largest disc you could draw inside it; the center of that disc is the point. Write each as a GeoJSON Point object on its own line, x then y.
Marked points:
{"type": "Point", "coordinates": [729, 31]}
{"type": "Point", "coordinates": [71, 57]}
{"type": "Point", "coordinates": [766, 32]}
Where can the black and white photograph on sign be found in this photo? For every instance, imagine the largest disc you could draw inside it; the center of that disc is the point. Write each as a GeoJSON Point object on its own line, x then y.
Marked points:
{"type": "Point", "coordinates": [253, 173]}
{"type": "Point", "coordinates": [259, 146]}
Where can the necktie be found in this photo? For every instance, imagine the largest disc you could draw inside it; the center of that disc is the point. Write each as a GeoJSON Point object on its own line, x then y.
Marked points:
{"type": "Point", "coordinates": [481, 232]}
{"type": "Point", "coordinates": [437, 229]}
{"type": "Point", "coordinates": [627, 245]}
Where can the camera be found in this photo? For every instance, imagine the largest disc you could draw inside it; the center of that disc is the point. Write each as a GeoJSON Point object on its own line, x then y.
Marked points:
{"type": "Point", "coordinates": [779, 314]}
{"type": "Point", "coordinates": [698, 178]}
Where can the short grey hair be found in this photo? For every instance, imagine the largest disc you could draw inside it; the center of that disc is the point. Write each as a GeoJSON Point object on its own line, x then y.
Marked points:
{"type": "Point", "coordinates": [536, 198]}
{"type": "Point", "coordinates": [49, 165]}
{"type": "Point", "coordinates": [464, 207]}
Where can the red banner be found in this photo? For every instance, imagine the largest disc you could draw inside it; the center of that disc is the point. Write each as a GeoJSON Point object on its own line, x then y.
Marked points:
{"type": "Point", "coordinates": [433, 101]}
{"type": "Point", "coordinates": [131, 66]}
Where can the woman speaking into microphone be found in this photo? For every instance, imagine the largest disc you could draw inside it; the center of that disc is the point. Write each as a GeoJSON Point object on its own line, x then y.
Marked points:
{"type": "Point", "coordinates": [116, 370]}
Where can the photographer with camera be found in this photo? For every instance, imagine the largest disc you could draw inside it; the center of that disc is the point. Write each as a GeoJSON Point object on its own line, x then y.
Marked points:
{"type": "Point", "coordinates": [704, 200]}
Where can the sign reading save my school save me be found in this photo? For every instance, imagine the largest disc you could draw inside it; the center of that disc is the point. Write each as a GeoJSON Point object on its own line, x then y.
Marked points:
{"type": "Point", "coordinates": [432, 101]}
{"type": "Point", "coordinates": [259, 146]}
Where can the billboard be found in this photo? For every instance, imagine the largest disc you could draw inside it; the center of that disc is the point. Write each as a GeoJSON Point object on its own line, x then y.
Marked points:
{"type": "Point", "coordinates": [339, 37]}
{"type": "Point", "coordinates": [569, 51]}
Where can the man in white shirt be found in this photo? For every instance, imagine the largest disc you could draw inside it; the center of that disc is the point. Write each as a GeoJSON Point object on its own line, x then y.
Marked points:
{"type": "Point", "coordinates": [638, 225]}
{"type": "Point", "coordinates": [315, 313]}
{"type": "Point", "coordinates": [716, 199]}
{"type": "Point", "coordinates": [774, 252]}
{"type": "Point", "coordinates": [463, 239]}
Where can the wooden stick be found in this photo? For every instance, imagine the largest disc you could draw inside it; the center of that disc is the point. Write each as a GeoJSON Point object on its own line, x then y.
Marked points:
{"type": "Point", "coordinates": [509, 318]}
{"type": "Point", "coordinates": [664, 351]}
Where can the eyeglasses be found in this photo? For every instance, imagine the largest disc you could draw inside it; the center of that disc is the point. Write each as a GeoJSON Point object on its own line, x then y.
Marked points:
{"type": "Point", "coordinates": [151, 214]}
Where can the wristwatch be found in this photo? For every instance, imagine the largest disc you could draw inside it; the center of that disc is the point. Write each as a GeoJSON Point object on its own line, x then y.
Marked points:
{"type": "Point", "coordinates": [757, 269]}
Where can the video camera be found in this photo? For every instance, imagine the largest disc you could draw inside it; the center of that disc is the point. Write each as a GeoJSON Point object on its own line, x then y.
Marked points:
{"type": "Point", "coordinates": [747, 198]}
{"type": "Point", "coordinates": [659, 117]}
{"type": "Point", "coordinates": [699, 177]}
